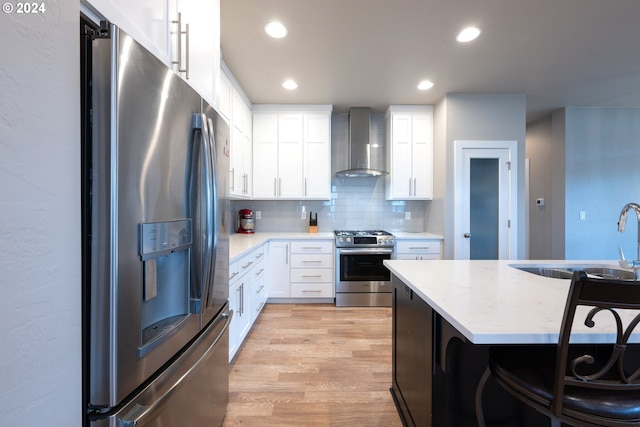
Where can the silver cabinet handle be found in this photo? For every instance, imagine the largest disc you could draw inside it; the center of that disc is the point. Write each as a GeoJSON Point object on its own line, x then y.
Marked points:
{"type": "Point", "coordinates": [275, 187]}
{"type": "Point", "coordinates": [419, 247]}
{"type": "Point", "coordinates": [311, 291]}
{"type": "Point", "coordinates": [233, 178]}
{"type": "Point", "coordinates": [182, 69]}
{"type": "Point", "coordinates": [259, 272]}
{"type": "Point", "coordinates": [247, 265]}
{"type": "Point", "coordinates": [311, 260]}
{"type": "Point", "coordinates": [309, 275]}
{"type": "Point", "coordinates": [414, 187]}
{"type": "Point", "coordinates": [186, 68]}
{"type": "Point", "coordinates": [314, 248]}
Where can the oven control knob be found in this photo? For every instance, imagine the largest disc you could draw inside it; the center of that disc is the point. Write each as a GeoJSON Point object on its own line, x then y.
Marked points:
{"type": "Point", "coordinates": [349, 239]}
{"type": "Point", "coordinates": [340, 239]}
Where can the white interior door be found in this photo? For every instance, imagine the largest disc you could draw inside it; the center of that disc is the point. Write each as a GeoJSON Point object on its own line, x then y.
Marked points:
{"type": "Point", "coordinates": [486, 197]}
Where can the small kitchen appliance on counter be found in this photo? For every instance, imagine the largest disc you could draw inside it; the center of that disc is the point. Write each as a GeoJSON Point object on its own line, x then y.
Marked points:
{"type": "Point", "coordinates": [361, 278]}
{"type": "Point", "coordinates": [245, 221]}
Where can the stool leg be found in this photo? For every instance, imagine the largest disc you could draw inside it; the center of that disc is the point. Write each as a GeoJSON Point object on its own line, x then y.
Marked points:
{"type": "Point", "coordinates": [479, 390]}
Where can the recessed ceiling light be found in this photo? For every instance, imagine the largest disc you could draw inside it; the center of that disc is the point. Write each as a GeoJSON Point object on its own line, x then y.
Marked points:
{"type": "Point", "coordinates": [425, 84]}
{"type": "Point", "coordinates": [468, 34]}
{"type": "Point", "coordinates": [275, 29]}
{"type": "Point", "coordinates": [289, 84]}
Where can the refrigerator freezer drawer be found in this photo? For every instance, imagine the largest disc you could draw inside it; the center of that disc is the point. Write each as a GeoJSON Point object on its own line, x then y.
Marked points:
{"type": "Point", "coordinates": [193, 391]}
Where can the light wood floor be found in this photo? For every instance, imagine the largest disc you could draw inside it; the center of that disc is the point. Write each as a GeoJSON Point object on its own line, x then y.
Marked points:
{"type": "Point", "coordinates": [314, 365]}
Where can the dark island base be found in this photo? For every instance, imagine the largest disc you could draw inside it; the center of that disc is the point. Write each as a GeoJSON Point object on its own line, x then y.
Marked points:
{"type": "Point", "coordinates": [436, 372]}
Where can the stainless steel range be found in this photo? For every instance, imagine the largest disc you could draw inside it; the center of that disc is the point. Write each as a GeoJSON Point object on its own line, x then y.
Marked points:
{"type": "Point", "coordinates": [361, 278]}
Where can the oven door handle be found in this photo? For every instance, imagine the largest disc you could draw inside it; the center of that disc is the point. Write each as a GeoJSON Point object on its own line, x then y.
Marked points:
{"type": "Point", "coordinates": [370, 251]}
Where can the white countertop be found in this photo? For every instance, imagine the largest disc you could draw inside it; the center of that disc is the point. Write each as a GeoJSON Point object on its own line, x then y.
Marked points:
{"type": "Point", "coordinates": [490, 302]}
{"type": "Point", "coordinates": [419, 235]}
{"type": "Point", "coordinates": [239, 244]}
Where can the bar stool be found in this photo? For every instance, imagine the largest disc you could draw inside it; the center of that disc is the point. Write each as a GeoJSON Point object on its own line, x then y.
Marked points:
{"type": "Point", "coordinates": [580, 385]}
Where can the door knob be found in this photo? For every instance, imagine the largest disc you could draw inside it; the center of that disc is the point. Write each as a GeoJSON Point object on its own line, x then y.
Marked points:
{"type": "Point", "coordinates": [467, 235]}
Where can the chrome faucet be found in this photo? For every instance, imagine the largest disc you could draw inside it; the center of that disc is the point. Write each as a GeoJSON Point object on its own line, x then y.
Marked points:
{"type": "Point", "coordinates": [622, 222]}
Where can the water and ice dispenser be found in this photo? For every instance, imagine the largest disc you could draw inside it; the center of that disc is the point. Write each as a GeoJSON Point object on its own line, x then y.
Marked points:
{"type": "Point", "coordinates": [165, 251]}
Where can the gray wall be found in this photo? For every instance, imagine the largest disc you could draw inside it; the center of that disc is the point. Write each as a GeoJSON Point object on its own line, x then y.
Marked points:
{"type": "Point", "coordinates": [602, 175]}
{"type": "Point", "coordinates": [40, 363]}
{"type": "Point", "coordinates": [584, 160]}
{"type": "Point", "coordinates": [539, 152]}
{"type": "Point", "coordinates": [479, 117]}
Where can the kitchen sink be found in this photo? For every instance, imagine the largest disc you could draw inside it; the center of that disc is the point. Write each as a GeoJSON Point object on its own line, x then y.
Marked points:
{"type": "Point", "coordinates": [555, 273]}
{"type": "Point", "coordinates": [566, 272]}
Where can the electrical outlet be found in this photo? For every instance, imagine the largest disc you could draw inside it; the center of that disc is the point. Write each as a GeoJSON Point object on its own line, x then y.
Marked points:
{"type": "Point", "coordinates": [407, 215]}
{"type": "Point", "coordinates": [583, 215]}
{"type": "Point", "coordinates": [303, 212]}
{"type": "Point", "coordinates": [258, 215]}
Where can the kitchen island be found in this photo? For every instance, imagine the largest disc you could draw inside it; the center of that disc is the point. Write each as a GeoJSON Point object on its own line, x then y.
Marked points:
{"type": "Point", "coordinates": [447, 312]}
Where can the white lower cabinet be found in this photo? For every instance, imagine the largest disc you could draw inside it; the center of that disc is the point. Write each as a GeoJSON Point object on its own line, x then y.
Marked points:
{"type": "Point", "coordinates": [312, 269]}
{"type": "Point", "coordinates": [278, 269]}
{"type": "Point", "coordinates": [419, 249]}
{"type": "Point", "coordinates": [246, 297]}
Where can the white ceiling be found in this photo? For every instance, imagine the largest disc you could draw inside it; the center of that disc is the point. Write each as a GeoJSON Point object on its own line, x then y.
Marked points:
{"type": "Point", "coordinates": [374, 52]}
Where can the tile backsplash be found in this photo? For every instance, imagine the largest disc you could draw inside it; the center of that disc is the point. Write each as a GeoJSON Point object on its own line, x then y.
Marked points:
{"type": "Point", "coordinates": [356, 204]}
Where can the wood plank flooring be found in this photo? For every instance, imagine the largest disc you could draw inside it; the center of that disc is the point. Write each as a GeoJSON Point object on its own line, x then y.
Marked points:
{"type": "Point", "coordinates": [314, 365]}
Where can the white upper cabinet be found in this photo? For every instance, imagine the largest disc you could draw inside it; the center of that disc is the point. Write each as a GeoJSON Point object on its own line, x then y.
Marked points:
{"type": "Point", "coordinates": [154, 25]}
{"type": "Point", "coordinates": [195, 44]}
{"type": "Point", "coordinates": [235, 107]}
{"type": "Point", "coordinates": [409, 153]}
{"type": "Point", "coordinates": [144, 20]}
{"type": "Point", "coordinates": [292, 152]}
{"type": "Point", "coordinates": [317, 156]}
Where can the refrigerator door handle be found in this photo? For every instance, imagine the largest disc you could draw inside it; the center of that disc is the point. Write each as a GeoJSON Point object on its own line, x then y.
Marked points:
{"type": "Point", "coordinates": [140, 415]}
{"type": "Point", "coordinates": [212, 212]}
{"type": "Point", "coordinates": [200, 198]}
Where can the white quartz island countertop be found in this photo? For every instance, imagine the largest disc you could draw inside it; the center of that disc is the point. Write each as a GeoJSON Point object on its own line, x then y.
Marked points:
{"type": "Point", "coordinates": [491, 302]}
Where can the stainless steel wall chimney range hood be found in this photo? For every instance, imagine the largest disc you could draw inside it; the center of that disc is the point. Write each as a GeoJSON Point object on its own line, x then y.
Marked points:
{"type": "Point", "coordinates": [365, 159]}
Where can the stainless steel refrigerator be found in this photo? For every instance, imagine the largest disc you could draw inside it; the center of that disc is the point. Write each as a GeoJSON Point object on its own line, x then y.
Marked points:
{"type": "Point", "coordinates": [156, 227]}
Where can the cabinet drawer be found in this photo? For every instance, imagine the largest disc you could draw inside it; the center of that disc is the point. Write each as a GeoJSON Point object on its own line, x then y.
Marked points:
{"type": "Point", "coordinates": [312, 260]}
{"type": "Point", "coordinates": [418, 246]}
{"type": "Point", "coordinates": [311, 275]}
{"type": "Point", "coordinates": [308, 247]}
{"type": "Point", "coordinates": [312, 290]}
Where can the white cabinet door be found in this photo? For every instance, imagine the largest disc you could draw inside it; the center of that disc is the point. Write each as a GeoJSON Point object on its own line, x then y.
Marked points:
{"type": "Point", "coordinates": [278, 269]}
{"type": "Point", "coordinates": [400, 173]}
{"type": "Point", "coordinates": [144, 20]}
{"type": "Point", "coordinates": [265, 153]}
{"type": "Point", "coordinates": [409, 153]}
{"type": "Point", "coordinates": [201, 54]}
{"type": "Point", "coordinates": [422, 156]}
{"type": "Point", "coordinates": [290, 178]}
{"type": "Point", "coordinates": [239, 296]}
{"type": "Point", "coordinates": [225, 99]}
{"type": "Point", "coordinates": [241, 147]}
{"type": "Point", "coordinates": [317, 156]}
